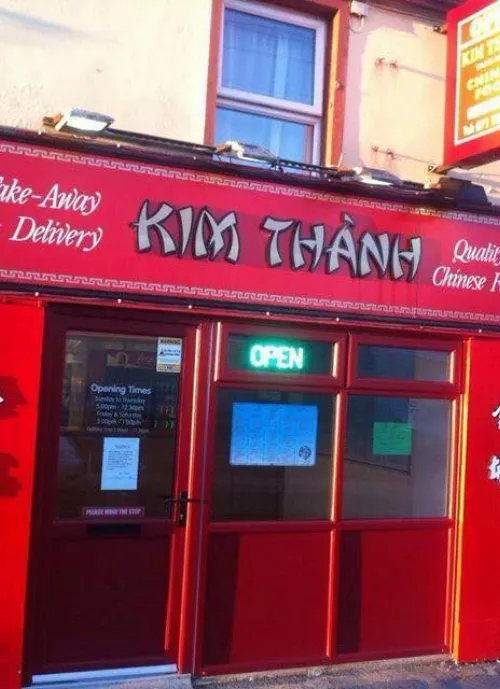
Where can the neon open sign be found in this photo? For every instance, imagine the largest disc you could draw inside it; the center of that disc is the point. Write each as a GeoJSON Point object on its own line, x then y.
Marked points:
{"type": "Point", "coordinates": [276, 357]}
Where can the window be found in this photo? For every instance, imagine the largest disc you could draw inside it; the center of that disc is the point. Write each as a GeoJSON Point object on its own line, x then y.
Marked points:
{"type": "Point", "coordinates": [289, 357]}
{"type": "Point", "coordinates": [275, 424]}
{"type": "Point", "coordinates": [267, 354]}
{"type": "Point", "coordinates": [118, 430]}
{"type": "Point", "coordinates": [403, 363]}
{"type": "Point", "coordinates": [271, 74]}
{"type": "Point", "coordinates": [396, 457]}
{"type": "Point", "coordinates": [273, 455]}
{"type": "Point", "coordinates": [398, 433]}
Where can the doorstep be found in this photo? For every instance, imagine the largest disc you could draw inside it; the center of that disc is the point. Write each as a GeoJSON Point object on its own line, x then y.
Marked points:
{"type": "Point", "coordinates": [163, 681]}
{"type": "Point", "coordinates": [426, 672]}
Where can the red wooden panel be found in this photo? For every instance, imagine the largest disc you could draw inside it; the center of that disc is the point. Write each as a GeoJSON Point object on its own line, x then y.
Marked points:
{"type": "Point", "coordinates": [125, 617]}
{"type": "Point", "coordinates": [20, 357]}
{"type": "Point", "coordinates": [479, 611]}
{"type": "Point", "coordinates": [266, 598]}
{"type": "Point", "coordinates": [392, 591]}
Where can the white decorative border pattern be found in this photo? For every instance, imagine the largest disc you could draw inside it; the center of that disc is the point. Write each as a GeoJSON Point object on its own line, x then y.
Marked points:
{"type": "Point", "coordinates": [281, 189]}
{"type": "Point", "coordinates": [187, 292]}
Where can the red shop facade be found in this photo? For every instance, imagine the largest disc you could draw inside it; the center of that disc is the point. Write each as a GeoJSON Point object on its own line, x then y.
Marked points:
{"type": "Point", "coordinates": [247, 422]}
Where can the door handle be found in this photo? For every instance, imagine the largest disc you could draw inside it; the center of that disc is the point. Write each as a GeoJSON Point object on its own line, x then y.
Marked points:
{"type": "Point", "coordinates": [181, 502]}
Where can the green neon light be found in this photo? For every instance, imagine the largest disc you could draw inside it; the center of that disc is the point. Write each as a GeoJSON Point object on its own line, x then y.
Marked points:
{"type": "Point", "coordinates": [276, 357]}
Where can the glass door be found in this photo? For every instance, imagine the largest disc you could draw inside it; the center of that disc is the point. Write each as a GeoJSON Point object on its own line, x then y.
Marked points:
{"type": "Point", "coordinates": [271, 527]}
{"type": "Point", "coordinates": [118, 430]}
{"type": "Point", "coordinates": [115, 438]}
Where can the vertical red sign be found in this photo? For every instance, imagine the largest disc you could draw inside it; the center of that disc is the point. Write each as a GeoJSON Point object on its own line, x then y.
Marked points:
{"type": "Point", "coordinates": [472, 128]}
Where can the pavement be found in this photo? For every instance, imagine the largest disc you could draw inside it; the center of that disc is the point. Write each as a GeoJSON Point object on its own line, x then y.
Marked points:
{"type": "Point", "coordinates": [430, 673]}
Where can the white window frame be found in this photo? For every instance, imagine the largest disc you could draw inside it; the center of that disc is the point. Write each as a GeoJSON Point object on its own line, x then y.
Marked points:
{"type": "Point", "coordinates": [309, 121]}
{"type": "Point", "coordinates": [291, 111]}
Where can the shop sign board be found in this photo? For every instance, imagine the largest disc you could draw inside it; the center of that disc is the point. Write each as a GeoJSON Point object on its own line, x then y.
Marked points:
{"type": "Point", "coordinates": [276, 357]}
{"type": "Point", "coordinates": [92, 224]}
{"type": "Point", "coordinates": [472, 131]}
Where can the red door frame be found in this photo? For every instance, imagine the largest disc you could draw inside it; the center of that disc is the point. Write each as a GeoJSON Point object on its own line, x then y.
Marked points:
{"type": "Point", "coordinates": [221, 377]}
{"type": "Point", "coordinates": [59, 320]}
{"type": "Point", "coordinates": [20, 352]}
{"type": "Point", "coordinates": [208, 353]}
{"type": "Point", "coordinates": [452, 389]}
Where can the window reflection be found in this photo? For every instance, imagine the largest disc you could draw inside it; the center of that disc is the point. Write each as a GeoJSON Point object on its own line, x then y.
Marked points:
{"type": "Point", "coordinates": [118, 428]}
{"type": "Point", "coordinates": [403, 364]}
{"type": "Point", "coordinates": [273, 455]}
{"type": "Point", "coordinates": [286, 139]}
{"type": "Point", "coordinates": [268, 57]}
{"type": "Point", "coordinates": [396, 457]}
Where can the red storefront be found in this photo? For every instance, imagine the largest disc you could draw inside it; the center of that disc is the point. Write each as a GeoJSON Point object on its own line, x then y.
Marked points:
{"type": "Point", "coordinates": [248, 420]}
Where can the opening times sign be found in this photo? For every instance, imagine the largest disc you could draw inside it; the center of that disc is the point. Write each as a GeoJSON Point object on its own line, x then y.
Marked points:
{"type": "Point", "coordinates": [118, 408]}
{"type": "Point", "coordinates": [473, 102]}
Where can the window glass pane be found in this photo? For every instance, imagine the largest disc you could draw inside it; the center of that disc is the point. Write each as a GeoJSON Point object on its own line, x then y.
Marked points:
{"type": "Point", "coordinates": [284, 139]}
{"type": "Point", "coordinates": [396, 457]}
{"type": "Point", "coordinates": [268, 57]}
{"type": "Point", "coordinates": [273, 455]}
{"type": "Point", "coordinates": [403, 364]}
{"type": "Point", "coordinates": [118, 428]}
{"type": "Point", "coordinates": [279, 355]}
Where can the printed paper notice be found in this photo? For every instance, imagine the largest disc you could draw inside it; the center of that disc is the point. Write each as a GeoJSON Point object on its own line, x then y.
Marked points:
{"type": "Point", "coordinates": [391, 438]}
{"type": "Point", "coordinates": [120, 464]}
{"type": "Point", "coordinates": [169, 355]}
{"type": "Point", "coordinates": [273, 434]}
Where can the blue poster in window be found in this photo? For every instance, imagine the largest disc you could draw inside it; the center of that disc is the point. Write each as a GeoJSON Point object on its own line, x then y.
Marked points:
{"type": "Point", "coordinates": [273, 434]}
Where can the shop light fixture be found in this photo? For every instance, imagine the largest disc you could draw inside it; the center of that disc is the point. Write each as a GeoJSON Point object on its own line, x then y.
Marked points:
{"type": "Point", "coordinates": [80, 121]}
{"type": "Point", "coordinates": [244, 151]}
{"type": "Point", "coordinates": [463, 191]}
{"type": "Point", "coordinates": [77, 120]}
{"type": "Point", "coordinates": [376, 177]}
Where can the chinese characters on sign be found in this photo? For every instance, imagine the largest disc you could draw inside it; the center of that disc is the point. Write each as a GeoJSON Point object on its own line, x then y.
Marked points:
{"type": "Point", "coordinates": [496, 415]}
{"type": "Point", "coordinates": [494, 465]}
{"type": "Point", "coordinates": [494, 469]}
